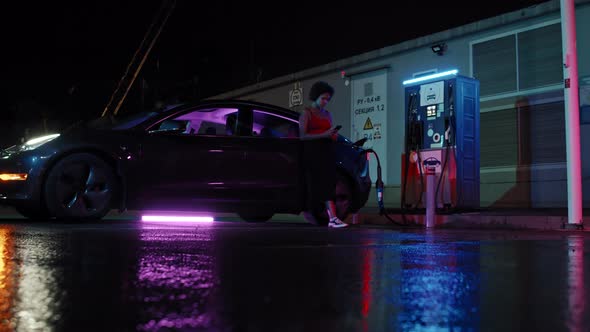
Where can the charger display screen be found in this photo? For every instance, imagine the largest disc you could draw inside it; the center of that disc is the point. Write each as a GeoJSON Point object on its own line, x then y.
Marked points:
{"type": "Point", "coordinates": [431, 111]}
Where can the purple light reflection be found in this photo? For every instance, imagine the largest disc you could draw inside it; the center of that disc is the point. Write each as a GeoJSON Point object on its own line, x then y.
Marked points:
{"type": "Point", "coordinates": [177, 219]}
{"type": "Point", "coordinates": [576, 287]}
{"type": "Point", "coordinates": [175, 280]}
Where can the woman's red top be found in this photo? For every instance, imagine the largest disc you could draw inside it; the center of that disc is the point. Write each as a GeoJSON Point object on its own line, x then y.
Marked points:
{"type": "Point", "coordinates": [317, 124]}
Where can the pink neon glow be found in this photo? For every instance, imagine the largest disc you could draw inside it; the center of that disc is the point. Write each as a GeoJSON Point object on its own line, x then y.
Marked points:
{"type": "Point", "coordinates": [577, 289]}
{"type": "Point", "coordinates": [366, 278]}
{"type": "Point", "coordinates": [188, 219]}
{"type": "Point", "coordinates": [572, 112]}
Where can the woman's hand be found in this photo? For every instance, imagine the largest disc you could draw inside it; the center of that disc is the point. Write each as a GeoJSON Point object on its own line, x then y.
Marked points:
{"type": "Point", "coordinates": [333, 133]}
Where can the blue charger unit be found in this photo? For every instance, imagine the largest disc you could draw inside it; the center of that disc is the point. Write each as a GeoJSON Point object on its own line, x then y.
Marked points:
{"type": "Point", "coordinates": [442, 113]}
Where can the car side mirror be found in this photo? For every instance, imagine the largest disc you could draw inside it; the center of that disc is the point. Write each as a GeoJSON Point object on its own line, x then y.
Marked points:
{"type": "Point", "coordinates": [171, 126]}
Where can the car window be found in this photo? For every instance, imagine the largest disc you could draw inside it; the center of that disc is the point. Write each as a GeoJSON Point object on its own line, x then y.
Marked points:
{"type": "Point", "coordinates": [266, 124]}
{"type": "Point", "coordinates": [209, 121]}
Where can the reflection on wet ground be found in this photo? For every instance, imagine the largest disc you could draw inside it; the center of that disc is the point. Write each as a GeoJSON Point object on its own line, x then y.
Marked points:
{"type": "Point", "coordinates": [242, 277]}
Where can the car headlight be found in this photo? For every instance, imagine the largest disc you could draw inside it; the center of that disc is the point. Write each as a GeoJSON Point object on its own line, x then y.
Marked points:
{"type": "Point", "coordinates": [31, 144]}
{"type": "Point", "coordinates": [36, 142]}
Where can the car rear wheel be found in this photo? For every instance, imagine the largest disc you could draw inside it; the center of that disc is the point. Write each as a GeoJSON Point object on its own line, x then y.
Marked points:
{"type": "Point", "coordinates": [342, 199]}
{"type": "Point", "coordinates": [80, 186]}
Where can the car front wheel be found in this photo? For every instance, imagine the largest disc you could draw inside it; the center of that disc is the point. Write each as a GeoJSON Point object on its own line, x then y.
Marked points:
{"type": "Point", "coordinates": [80, 186]}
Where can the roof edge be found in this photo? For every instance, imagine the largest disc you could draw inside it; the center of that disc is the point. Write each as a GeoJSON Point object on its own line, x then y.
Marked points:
{"type": "Point", "coordinates": [482, 25]}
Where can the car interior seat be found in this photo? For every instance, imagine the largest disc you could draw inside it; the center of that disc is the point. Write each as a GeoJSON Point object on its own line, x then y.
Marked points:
{"type": "Point", "coordinates": [230, 124]}
{"type": "Point", "coordinates": [266, 132]}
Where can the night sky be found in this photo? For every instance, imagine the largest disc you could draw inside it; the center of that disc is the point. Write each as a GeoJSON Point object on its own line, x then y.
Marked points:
{"type": "Point", "coordinates": [61, 61]}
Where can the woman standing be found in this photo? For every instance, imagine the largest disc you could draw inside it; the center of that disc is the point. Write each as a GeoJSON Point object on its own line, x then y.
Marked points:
{"type": "Point", "coordinates": [317, 131]}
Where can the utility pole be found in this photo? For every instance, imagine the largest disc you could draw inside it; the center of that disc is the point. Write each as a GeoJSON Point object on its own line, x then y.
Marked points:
{"type": "Point", "coordinates": [139, 58]}
{"type": "Point", "coordinates": [572, 114]}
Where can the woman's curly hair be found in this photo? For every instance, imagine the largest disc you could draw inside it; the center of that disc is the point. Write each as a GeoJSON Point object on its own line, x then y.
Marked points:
{"type": "Point", "coordinates": [319, 88]}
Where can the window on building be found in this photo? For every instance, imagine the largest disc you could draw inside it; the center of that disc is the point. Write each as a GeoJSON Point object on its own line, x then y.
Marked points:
{"type": "Point", "coordinates": [498, 138]}
{"type": "Point", "coordinates": [531, 130]}
{"type": "Point", "coordinates": [494, 65]}
{"type": "Point", "coordinates": [520, 75]}
{"type": "Point", "coordinates": [523, 60]}
{"type": "Point", "coordinates": [539, 57]}
{"type": "Point", "coordinates": [547, 133]}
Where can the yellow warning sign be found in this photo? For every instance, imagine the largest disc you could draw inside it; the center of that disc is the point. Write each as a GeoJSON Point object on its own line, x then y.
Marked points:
{"type": "Point", "coordinates": [368, 124]}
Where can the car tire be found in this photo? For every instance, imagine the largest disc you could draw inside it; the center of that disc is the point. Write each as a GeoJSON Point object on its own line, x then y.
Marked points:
{"type": "Point", "coordinates": [343, 197]}
{"type": "Point", "coordinates": [250, 217]}
{"type": "Point", "coordinates": [32, 213]}
{"type": "Point", "coordinates": [80, 186]}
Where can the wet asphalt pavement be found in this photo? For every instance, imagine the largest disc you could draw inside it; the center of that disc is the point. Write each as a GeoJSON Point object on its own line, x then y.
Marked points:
{"type": "Point", "coordinates": [237, 276]}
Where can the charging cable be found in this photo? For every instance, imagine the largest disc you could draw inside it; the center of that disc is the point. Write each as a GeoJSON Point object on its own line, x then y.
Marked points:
{"type": "Point", "coordinates": [379, 189]}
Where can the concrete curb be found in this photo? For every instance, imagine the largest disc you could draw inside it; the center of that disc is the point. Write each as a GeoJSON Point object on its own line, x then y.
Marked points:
{"type": "Point", "coordinates": [518, 219]}
{"type": "Point", "coordinates": [492, 219]}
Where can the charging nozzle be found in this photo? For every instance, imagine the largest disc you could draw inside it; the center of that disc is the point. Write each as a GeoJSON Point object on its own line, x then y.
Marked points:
{"type": "Point", "coordinates": [379, 188]}
{"type": "Point", "coordinates": [378, 183]}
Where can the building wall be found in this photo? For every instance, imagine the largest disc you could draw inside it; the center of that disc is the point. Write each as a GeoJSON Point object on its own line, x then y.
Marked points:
{"type": "Point", "coordinates": [529, 184]}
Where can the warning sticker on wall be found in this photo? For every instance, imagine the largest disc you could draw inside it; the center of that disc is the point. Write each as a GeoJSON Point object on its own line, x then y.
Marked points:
{"type": "Point", "coordinates": [368, 124]}
{"type": "Point", "coordinates": [377, 133]}
{"type": "Point", "coordinates": [369, 115]}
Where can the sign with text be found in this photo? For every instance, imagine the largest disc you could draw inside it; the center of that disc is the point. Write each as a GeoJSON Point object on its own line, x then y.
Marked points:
{"type": "Point", "coordinates": [296, 95]}
{"type": "Point", "coordinates": [369, 116]}
{"type": "Point", "coordinates": [431, 94]}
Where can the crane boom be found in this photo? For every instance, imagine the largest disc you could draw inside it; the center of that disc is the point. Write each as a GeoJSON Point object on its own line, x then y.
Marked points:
{"type": "Point", "coordinates": [139, 58]}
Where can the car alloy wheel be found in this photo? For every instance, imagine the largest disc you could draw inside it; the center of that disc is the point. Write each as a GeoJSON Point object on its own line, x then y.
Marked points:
{"type": "Point", "coordinates": [80, 186]}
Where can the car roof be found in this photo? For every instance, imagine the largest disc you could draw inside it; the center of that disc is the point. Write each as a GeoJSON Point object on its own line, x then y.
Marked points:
{"type": "Point", "coordinates": [218, 103]}
{"type": "Point", "coordinates": [239, 102]}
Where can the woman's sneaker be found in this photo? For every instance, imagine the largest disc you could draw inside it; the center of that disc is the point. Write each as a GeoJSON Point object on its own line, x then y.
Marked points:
{"type": "Point", "coordinates": [336, 223]}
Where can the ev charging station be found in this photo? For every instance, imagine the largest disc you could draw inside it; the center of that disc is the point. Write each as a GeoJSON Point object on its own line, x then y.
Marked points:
{"type": "Point", "coordinates": [440, 165]}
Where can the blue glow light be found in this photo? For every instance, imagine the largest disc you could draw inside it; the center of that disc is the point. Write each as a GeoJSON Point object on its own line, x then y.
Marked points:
{"type": "Point", "coordinates": [429, 77]}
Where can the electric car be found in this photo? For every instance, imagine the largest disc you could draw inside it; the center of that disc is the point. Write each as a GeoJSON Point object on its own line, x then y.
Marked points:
{"type": "Point", "coordinates": [218, 156]}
